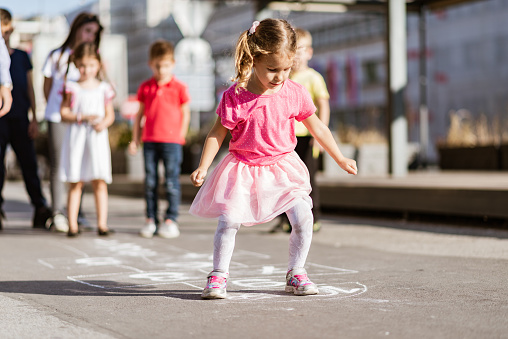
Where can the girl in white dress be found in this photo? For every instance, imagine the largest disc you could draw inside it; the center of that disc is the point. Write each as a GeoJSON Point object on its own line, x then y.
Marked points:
{"type": "Point", "coordinates": [86, 156]}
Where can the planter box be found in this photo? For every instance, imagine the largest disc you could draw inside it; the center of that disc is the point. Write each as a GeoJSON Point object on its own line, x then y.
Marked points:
{"type": "Point", "coordinates": [503, 156]}
{"type": "Point", "coordinates": [373, 160]}
{"type": "Point", "coordinates": [118, 162]}
{"type": "Point", "coordinates": [136, 165]}
{"type": "Point", "coordinates": [469, 158]}
{"type": "Point", "coordinates": [330, 167]}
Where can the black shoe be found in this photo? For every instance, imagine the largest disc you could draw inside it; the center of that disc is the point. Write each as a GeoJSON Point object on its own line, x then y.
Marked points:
{"type": "Point", "coordinates": [71, 234]}
{"type": "Point", "coordinates": [2, 216]}
{"type": "Point", "coordinates": [104, 233]}
{"type": "Point", "coordinates": [41, 215]}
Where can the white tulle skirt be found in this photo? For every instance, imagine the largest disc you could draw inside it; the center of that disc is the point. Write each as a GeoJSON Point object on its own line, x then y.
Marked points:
{"type": "Point", "coordinates": [249, 195]}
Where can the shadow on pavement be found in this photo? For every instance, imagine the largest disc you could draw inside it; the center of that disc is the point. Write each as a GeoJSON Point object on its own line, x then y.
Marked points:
{"type": "Point", "coordinates": [466, 226]}
{"type": "Point", "coordinates": [16, 206]}
{"type": "Point", "coordinates": [71, 288]}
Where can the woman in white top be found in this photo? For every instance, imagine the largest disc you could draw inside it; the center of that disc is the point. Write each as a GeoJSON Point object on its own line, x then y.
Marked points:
{"type": "Point", "coordinates": [86, 27]}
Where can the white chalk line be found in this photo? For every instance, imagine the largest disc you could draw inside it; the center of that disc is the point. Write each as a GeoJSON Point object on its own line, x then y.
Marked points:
{"type": "Point", "coordinates": [42, 262]}
{"type": "Point", "coordinates": [333, 268]}
{"type": "Point", "coordinates": [75, 250]}
{"type": "Point", "coordinates": [131, 268]}
{"type": "Point", "coordinates": [332, 291]}
{"type": "Point", "coordinates": [192, 285]}
{"type": "Point", "coordinates": [85, 283]}
{"type": "Point", "coordinates": [255, 254]}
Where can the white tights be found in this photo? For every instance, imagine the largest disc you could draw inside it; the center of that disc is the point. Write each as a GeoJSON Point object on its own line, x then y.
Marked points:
{"type": "Point", "coordinates": [300, 217]}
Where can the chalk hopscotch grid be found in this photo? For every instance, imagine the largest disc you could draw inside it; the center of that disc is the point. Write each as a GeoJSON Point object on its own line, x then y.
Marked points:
{"type": "Point", "coordinates": [192, 272]}
{"type": "Point", "coordinates": [242, 282]}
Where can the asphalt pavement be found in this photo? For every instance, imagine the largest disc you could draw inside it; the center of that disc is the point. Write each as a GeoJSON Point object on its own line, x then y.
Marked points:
{"type": "Point", "coordinates": [378, 278]}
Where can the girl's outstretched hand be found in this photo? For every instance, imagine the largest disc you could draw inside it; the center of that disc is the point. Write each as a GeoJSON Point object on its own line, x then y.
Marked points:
{"type": "Point", "coordinates": [198, 177]}
{"type": "Point", "coordinates": [348, 165]}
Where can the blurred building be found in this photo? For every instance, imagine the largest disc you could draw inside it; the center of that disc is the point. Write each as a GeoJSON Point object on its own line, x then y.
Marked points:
{"type": "Point", "coordinates": [466, 51]}
{"type": "Point", "coordinates": [39, 35]}
{"type": "Point", "coordinates": [142, 22]}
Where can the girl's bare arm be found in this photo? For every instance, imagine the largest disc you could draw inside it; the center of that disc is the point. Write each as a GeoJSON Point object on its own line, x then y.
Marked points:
{"type": "Point", "coordinates": [48, 82]}
{"type": "Point", "coordinates": [323, 108]}
{"type": "Point", "coordinates": [325, 138]}
{"type": "Point", "coordinates": [213, 143]}
{"type": "Point", "coordinates": [65, 110]}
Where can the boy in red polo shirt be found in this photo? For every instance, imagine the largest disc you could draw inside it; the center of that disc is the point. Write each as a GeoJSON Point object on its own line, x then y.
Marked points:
{"type": "Point", "coordinates": [164, 102]}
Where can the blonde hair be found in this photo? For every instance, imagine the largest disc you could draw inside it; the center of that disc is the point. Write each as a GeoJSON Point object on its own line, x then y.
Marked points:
{"type": "Point", "coordinates": [270, 37]}
{"type": "Point", "coordinates": [302, 34]}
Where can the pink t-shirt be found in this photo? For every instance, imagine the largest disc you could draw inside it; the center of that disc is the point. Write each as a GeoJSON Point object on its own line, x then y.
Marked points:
{"type": "Point", "coordinates": [263, 126]}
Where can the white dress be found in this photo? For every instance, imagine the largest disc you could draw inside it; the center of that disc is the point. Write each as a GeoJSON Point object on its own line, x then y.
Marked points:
{"type": "Point", "coordinates": [86, 154]}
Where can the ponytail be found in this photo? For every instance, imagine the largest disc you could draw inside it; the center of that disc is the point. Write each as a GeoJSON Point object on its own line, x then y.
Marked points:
{"type": "Point", "coordinates": [244, 61]}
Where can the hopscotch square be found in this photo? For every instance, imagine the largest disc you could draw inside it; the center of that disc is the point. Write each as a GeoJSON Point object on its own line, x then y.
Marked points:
{"type": "Point", "coordinates": [281, 270]}
{"type": "Point", "coordinates": [122, 280]}
{"type": "Point", "coordinates": [194, 272]}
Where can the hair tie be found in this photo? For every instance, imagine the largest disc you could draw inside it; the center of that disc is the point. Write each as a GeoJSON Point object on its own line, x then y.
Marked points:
{"type": "Point", "coordinates": [252, 30]}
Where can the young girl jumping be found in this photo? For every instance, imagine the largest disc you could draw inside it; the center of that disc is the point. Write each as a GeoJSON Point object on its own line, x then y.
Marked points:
{"type": "Point", "coordinates": [261, 176]}
{"type": "Point", "coordinates": [86, 155]}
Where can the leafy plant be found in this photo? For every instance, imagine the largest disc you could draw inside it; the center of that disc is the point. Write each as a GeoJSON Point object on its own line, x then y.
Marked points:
{"type": "Point", "coordinates": [120, 135]}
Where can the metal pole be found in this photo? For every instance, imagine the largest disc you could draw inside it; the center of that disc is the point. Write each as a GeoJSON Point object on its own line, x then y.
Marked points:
{"type": "Point", "coordinates": [397, 81]}
{"type": "Point", "coordinates": [424, 108]}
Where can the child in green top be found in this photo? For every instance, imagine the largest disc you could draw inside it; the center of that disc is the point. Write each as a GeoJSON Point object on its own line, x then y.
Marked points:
{"type": "Point", "coordinates": [306, 147]}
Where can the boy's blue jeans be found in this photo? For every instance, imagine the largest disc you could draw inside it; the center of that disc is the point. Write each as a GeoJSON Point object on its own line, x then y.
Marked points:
{"type": "Point", "coordinates": [171, 156]}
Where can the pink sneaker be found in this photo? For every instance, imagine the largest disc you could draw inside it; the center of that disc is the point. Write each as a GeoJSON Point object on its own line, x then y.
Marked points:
{"type": "Point", "coordinates": [298, 283]}
{"type": "Point", "coordinates": [215, 286]}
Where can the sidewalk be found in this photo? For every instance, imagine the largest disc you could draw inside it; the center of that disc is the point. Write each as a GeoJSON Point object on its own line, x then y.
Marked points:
{"type": "Point", "coordinates": [377, 278]}
{"type": "Point", "coordinates": [432, 192]}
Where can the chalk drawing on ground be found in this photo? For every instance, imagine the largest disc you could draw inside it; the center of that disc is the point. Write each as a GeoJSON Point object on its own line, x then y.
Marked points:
{"type": "Point", "coordinates": [137, 267]}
